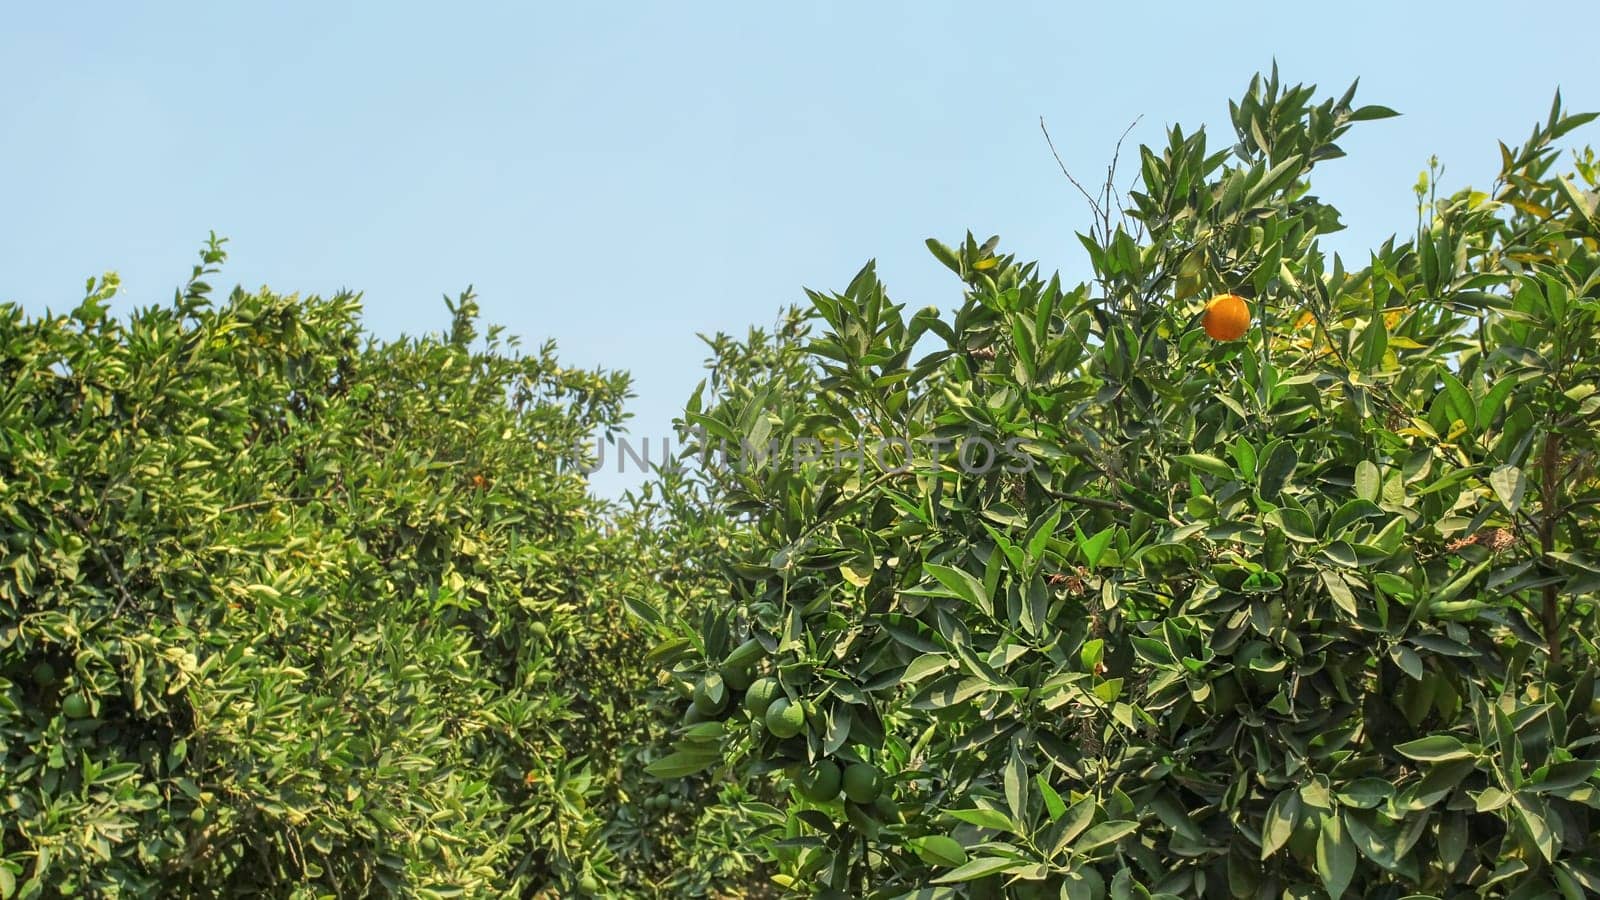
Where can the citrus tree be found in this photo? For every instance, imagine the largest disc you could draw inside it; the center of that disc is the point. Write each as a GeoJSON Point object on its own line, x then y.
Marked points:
{"type": "Point", "coordinates": [1240, 571]}
{"type": "Point", "coordinates": [289, 610]}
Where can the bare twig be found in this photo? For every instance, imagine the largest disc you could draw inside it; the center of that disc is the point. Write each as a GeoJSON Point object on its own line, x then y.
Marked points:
{"type": "Point", "coordinates": [1093, 204]}
{"type": "Point", "coordinates": [1111, 171]}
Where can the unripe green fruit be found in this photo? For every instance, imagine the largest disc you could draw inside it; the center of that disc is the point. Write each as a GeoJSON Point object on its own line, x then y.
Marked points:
{"type": "Point", "coordinates": [862, 782]}
{"type": "Point", "coordinates": [74, 706]}
{"type": "Point", "coordinates": [589, 885]}
{"type": "Point", "coordinates": [760, 696]}
{"type": "Point", "coordinates": [44, 674]}
{"type": "Point", "coordinates": [821, 782]}
{"type": "Point", "coordinates": [539, 629]}
{"type": "Point", "coordinates": [785, 719]}
{"type": "Point", "coordinates": [736, 679]}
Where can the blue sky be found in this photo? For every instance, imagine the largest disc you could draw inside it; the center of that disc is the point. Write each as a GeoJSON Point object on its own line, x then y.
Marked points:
{"type": "Point", "coordinates": [621, 176]}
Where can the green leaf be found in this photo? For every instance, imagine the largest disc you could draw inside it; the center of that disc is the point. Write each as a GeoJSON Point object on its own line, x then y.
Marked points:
{"type": "Point", "coordinates": [1153, 650]}
{"type": "Point", "coordinates": [1082, 883]}
{"type": "Point", "coordinates": [945, 255]}
{"type": "Point", "coordinates": [1339, 590]}
{"type": "Point", "coordinates": [983, 817]}
{"type": "Point", "coordinates": [1078, 817]}
{"type": "Point", "coordinates": [1582, 204]}
{"type": "Point", "coordinates": [1208, 464]}
{"type": "Point", "coordinates": [925, 665]}
{"type": "Point", "coordinates": [1174, 815]}
{"type": "Point", "coordinates": [962, 585]}
{"type": "Point", "coordinates": [1282, 816]}
{"type": "Point", "coordinates": [1374, 343]}
{"type": "Point", "coordinates": [1093, 548]}
{"type": "Point", "coordinates": [1295, 523]}
{"type": "Point", "coordinates": [938, 850]}
{"type": "Point", "coordinates": [1372, 112]}
{"type": "Point", "coordinates": [1103, 834]}
{"type": "Point", "coordinates": [1336, 856]}
{"type": "Point", "coordinates": [1351, 512]}
{"type": "Point", "coordinates": [1054, 806]}
{"type": "Point", "coordinates": [1435, 748]}
{"type": "Point", "coordinates": [1278, 470]}
{"type": "Point", "coordinates": [978, 868]}
{"type": "Point", "coordinates": [1368, 481]}
{"type": "Point", "coordinates": [1365, 793]}
{"type": "Point", "coordinates": [1534, 817]}
{"type": "Point", "coordinates": [1016, 784]}
{"type": "Point", "coordinates": [683, 762]}
{"type": "Point", "coordinates": [1509, 486]}
{"type": "Point", "coordinates": [1490, 799]}
{"type": "Point", "coordinates": [642, 611]}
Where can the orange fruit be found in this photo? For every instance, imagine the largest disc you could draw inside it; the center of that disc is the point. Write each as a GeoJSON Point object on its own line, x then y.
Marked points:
{"type": "Point", "coordinates": [862, 782]}
{"type": "Point", "coordinates": [1227, 317]}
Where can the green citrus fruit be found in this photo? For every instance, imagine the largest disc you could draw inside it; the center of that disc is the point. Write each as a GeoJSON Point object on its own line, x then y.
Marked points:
{"type": "Point", "coordinates": [74, 706]}
{"type": "Point", "coordinates": [44, 674]}
{"type": "Point", "coordinates": [862, 783]}
{"type": "Point", "coordinates": [821, 782]}
{"type": "Point", "coordinates": [760, 696]}
{"type": "Point", "coordinates": [589, 885]}
{"type": "Point", "coordinates": [539, 629]}
{"type": "Point", "coordinates": [736, 679]}
{"type": "Point", "coordinates": [785, 719]}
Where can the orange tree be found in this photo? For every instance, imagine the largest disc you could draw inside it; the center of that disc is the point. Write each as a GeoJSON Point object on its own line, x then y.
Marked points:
{"type": "Point", "coordinates": [1058, 595]}
{"type": "Point", "coordinates": [289, 610]}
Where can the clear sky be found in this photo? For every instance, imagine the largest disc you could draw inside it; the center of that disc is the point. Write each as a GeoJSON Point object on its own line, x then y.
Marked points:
{"type": "Point", "coordinates": [621, 176]}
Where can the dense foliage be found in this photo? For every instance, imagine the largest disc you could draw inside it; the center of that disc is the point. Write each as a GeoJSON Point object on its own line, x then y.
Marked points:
{"type": "Point", "coordinates": [1063, 592]}
{"type": "Point", "coordinates": [291, 611]}
{"type": "Point", "coordinates": [1057, 595]}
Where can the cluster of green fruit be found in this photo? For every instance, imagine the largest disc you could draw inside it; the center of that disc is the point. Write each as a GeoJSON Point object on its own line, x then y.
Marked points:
{"type": "Point", "coordinates": [781, 726]}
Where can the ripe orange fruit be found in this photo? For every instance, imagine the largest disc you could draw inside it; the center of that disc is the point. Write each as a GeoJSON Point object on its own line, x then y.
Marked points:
{"type": "Point", "coordinates": [1227, 317]}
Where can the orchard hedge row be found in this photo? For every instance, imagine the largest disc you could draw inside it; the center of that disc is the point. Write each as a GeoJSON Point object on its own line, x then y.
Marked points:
{"type": "Point", "coordinates": [287, 610]}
